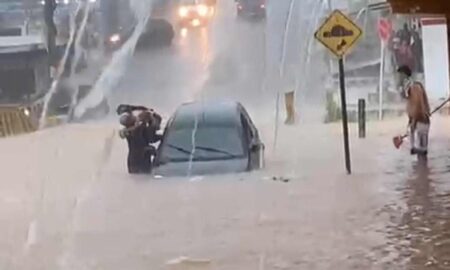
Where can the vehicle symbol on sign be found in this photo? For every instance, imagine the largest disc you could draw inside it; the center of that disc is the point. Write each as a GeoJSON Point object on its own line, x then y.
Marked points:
{"type": "Point", "coordinates": [339, 31]}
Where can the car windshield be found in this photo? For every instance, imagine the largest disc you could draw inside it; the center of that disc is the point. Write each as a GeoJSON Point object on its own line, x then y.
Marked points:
{"type": "Point", "coordinates": [211, 143]}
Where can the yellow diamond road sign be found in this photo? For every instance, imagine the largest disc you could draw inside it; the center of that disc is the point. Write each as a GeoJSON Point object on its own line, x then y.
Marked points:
{"type": "Point", "coordinates": [338, 33]}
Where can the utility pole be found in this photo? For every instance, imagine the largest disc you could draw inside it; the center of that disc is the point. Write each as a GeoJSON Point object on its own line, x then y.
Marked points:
{"type": "Point", "coordinates": [51, 31]}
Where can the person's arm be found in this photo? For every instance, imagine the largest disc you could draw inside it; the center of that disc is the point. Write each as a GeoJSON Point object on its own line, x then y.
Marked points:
{"type": "Point", "coordinates": [123, 133]}
{"type": "Point", "coordinates": [126, 132]}
{"type": "Point", "coordinates": [426, 101]}
{"type": "Point", "coordinates": [138, 108]}
{"type": "Point", "coordinates": [405, 93]}
{"type": "Point", "coordinates": [126, 108]}
{"type": "Point", "coordinates": [157, 120]}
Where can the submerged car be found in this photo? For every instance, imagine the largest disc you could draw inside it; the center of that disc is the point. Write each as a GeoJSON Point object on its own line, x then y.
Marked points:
{"type": "Point", "coordinates": [205, 138]}
{"type": "Point", "coordinates": [194, 13]}
{"type": "Point", "coordinates": [251, 8]}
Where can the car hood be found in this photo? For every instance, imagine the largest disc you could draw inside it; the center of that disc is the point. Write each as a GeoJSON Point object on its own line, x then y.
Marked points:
{"type": "Point", "coordinates": [202, 168]}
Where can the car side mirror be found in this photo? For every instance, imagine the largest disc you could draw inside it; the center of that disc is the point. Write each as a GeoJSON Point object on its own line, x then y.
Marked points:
{"type": "Point", "coordinates": [254, 146]}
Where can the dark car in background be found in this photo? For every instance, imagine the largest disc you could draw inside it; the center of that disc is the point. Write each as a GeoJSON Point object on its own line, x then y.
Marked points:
{"type": "Point", "coordinates": [158, 33]}
{"type": "Point", "coordinates": [251, 8]}
{"type": "Point", "coordinates": [203, 138]}
{"type": "Point", "coordinates": [119, 24]}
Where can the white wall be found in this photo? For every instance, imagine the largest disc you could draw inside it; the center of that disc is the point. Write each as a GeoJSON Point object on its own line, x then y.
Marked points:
{"type": "Point", "coordinates": [435, 49]}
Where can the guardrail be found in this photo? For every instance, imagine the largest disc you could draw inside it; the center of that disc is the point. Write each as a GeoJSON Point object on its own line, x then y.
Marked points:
{"type": "Point", "coordinates": [16, 119]}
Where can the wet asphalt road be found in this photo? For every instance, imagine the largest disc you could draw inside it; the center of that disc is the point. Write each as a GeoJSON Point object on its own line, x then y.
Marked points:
{"type": "Point", "coordinates": [420, 227]}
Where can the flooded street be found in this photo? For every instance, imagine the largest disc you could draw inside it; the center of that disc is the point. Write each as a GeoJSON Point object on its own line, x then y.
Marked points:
{"type": "Point", "coordinates": [388, 214]}
{"type": "Point", "coordinates": [67, 201]}
{"type": "Point", "coordinates": [420, 226]}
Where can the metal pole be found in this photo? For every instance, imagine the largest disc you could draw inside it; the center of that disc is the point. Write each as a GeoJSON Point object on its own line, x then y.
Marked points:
{"type": "Point", "coordinates": [344, 116]}
{"type": "Point", "coordinates": [362, 118]}
{"type": "Point", "coordinates": [381, 88]}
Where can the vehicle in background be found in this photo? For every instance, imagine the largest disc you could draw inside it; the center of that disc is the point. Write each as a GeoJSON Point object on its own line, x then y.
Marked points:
{"type": "Point", "coordinates": [195, 13]}
{"type": "Point", "coordinates": [158, 33]}
{"type": "Point", "coordinates": [119, 25]}
{"type": "Point", "coordinates": [251, 8]}
{"type": "Point", "coordinates": [205, 138]}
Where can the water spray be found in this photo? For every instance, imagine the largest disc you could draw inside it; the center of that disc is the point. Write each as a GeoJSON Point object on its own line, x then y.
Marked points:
{"type": "Point", "coordinates": [59, 71]}
{"type": "Point", "coordinates": [78, 52]}
{"type": "Point", "coordinates": [309, 45]}
{"type": "Point", "coordinates": [281, 71]}
{"type": "Point", "coordinates": [86, 9]}
{"type": "Point", "coordinates": [113, 73]}
{"type": "Point", "coordinates": [193, 137]}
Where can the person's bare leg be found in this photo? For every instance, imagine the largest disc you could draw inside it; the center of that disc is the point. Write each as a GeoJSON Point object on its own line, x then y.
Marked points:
{"type": "Point", "coordinates": [412, 139]}
{"type": "Point", "coordinates": [422, 134]}
{"type": "Point", "coordinates": [290, 108]}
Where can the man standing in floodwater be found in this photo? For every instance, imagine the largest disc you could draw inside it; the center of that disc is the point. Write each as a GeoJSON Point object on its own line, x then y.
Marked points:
{"type": "Point", "coordinates": [140, 133]}
{"type": "Point", "coordinates": [418, 110]}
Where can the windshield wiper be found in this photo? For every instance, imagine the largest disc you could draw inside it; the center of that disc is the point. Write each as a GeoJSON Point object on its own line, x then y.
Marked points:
{"type": "Point", "coordinates": [214, 150]}
{"type": "Point", "coordinates": [179, 149]}
{"type": "Point", "coordinates": [207, 149]}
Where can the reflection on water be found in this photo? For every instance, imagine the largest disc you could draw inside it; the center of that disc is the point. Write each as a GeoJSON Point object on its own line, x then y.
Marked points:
{"type": "Point", "coordinates": [421, 234]}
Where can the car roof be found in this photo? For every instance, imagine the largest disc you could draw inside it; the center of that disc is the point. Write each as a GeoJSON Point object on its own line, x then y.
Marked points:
{"type": "Point", "coordinates": [218, 113]}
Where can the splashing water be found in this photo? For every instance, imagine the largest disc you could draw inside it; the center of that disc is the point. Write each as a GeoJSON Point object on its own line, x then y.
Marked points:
{"type": "Point", "coordinates": [54, 86]}
{"type": "Point", "coordinates": [86, 9]}
{"type": "Point", "coordinates": [193, 138]}
{"type": "Point", "coordinates": [79, 49]}
{"type": "Point", "coordinates": [318, 10]}
{"type": "Point", "coordinates": [282, 70]}
{"type": "Point", "coordinates": [113, 73]}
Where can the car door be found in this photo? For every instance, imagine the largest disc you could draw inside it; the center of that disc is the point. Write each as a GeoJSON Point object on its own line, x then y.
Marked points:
{"type": "Point", "coordinates": [253, 142]}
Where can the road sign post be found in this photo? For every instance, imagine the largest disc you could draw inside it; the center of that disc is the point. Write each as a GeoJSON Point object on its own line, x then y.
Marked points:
{"type": "Point", "coordinates": [348, 164]}
{"type": "Point", "coordinates": [339, 34]}
{"type": "Point", "coordinates": [362, 118]}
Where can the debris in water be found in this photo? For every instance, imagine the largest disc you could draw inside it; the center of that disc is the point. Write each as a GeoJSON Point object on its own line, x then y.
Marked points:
{"type": "Point", "coordinates": [31, 235]}
{"type": "Point", "coordinates": [196, 179]}
{"type": "Point", "coordinates": [281, 179]}
{"type": "Point", "coordinates": [186, 263]}
{"type": "Point", "coordinates": [432, 261]}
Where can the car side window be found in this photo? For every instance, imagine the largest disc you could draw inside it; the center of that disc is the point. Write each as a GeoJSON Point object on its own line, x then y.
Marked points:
{"type": "Point", "coordinates": [246, 128]}
{"type": "Point", "coordinates": [249, 123]}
